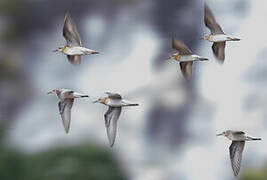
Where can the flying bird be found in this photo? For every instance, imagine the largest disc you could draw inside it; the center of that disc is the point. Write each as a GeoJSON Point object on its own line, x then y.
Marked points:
{"type": "Point", "coordinates": [66, 98]}
{"type": "Point", "coordinates": [217, 36]}
{"type": "Point", "coordinates": [115, 103]}
{"type": "Point", "coordinates": [238, 139]}
{"type": "Point", "coordinates": [73, 49]}
{"type": "Point", "coordinates": [185, 57]}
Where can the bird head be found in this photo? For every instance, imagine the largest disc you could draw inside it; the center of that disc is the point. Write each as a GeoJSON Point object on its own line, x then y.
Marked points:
{"type": "Point", "coordinates": [206, 37]}
{"type": "Point", "coordinates": [60, 49]}
{"type": "Point", "coordinates": [221, 134]}
{"type": "Point", "coordinates": [175, 56]}
{"type": "Point", "coordinates": [54, 91]}
{"type": "Point", "coordinates": [101, 100]}
{"type": "Point", "coordinates": [225, 133]}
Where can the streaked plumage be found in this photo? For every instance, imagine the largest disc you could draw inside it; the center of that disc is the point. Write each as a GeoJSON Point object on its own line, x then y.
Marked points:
{"type": "Point", "coordinates": [185, 57]}
{"type": "Point", "coordinates": [73, 49]}
{"type": "Point", "coordinates": [115, 103]}
{"type": "Point", "coordinates": [66, 98]}
{"type": "Point", "coordinates": [217, 36]}
{"type": "Point", "coordinates": [238, 139]}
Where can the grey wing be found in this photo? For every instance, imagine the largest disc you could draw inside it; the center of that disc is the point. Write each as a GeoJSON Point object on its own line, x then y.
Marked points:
{"type": "Point", "coordinates": [75, 60]}
{"type": "Point", "coordinates": [66, 93]}
{"type": "Point", "coordinates": [65, 112]}
{"type": "Point", "coordinates": [181, 47]}
{"type": "Point", "coordinates": [236, 150]}
{"type": "Point", "coordinates": [218, 49]}
{"type": "Point", "coordinates": [113, 95]}
{"type": "Point", "coordinates": [210, 21]}
{"type": "Point", "coordinates": [111, 118]}
{"type": "Point", "coordinates": [186, 68]}
{"type": "Point", "coordinates": [69, 31]}
{"type": "Point", "coordinates": [238, 132]}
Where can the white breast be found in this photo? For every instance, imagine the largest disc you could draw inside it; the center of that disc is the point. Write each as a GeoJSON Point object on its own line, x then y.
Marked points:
{"type": "Point", "coordinates": [188, 58]}
{"type": "Point", "coordinates": [219, 38]}
{"type": "Point", "coordinates": [76, 50]}
{"type": "Point", "coordinates": [114, 103]}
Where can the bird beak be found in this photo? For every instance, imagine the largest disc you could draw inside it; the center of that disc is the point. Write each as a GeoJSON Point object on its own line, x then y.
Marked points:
{"type": "Point", "coordinates": [95, 101]}
{"type": "Point", "coordinates": [202, 38]}
{"type": "Point", "coordinates": [219, 134]}
{"type": "Point", "coordinates": [56, 50]}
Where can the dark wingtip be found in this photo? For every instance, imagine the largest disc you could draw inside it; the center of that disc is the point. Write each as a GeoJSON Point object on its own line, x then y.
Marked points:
{"type": "Point", "coordinates": [85, 96]}
{"type": "Point", "coordinates": [111, 145]}
{"type": "Point", "coordinates": [66, 131]}
{"type": "Point", "coordinates": [236, 39]}
{"type": "Point", "coordinates": [95, 52]}
{"type": "Point", "coordinates": [134, 105]}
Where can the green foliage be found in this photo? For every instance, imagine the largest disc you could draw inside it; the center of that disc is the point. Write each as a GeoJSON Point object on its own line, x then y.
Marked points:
{"type": "Point", "coordinates": [68, 163]}
{"type": "Point", "coordinates": [255, 174]}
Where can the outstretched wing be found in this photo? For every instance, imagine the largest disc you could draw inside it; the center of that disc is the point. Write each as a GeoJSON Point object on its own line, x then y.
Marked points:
{"type": "Point", "coordinates": [236, 150]}
{"type": "Point", "coordinates": [186, 68]}
{"type": "Point", "coordinates": [181, 47]}
{"type": "Point", "coordinates": [69, 32]}
{"type": "Point", "coordinates": [210, 21]}
{"type": "Point", "coordinates": [218, 49]}
{"type": "Point", "coordinates": [75, 60]}
{"type": "Point", "coordinates": [111, 118]}
{"type": "Point", "coordinates": [65, 112]}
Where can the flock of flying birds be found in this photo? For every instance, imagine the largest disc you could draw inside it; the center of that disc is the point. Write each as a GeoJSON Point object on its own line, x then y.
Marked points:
{"type": "Point", "coordinates": [74, 51]}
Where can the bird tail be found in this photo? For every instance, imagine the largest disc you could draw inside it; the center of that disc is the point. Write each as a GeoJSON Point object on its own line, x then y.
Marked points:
{"type": "Point", "coordinates": [128, 103]}
{"type": "Point", "coordinates": [78, 95]}
{"type": "Point", "coordinates": [234, 39]}
{"type": "Point", "coordinates": [90, 51]}
{"type": "Point", "coordinates": [203, 59]}
{"type": "Point", "coordinates": [133, 104]}
{"type": "Point", "coordinates": [95, 52]}
{"type": "Point", "coordinates": [253, 139]}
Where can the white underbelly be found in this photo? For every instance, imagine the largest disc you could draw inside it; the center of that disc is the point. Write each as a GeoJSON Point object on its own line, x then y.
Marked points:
{"type": "Point", "coordinates": [114, 103]}
{"type": "Point", "coordinates": [77, 50]}
{"type": "Point", "coordinates": [188, 58]}
{"type": "Point", "coordinates": [219, 38]}
{"type": "Point", "coordinates": [73, 51]}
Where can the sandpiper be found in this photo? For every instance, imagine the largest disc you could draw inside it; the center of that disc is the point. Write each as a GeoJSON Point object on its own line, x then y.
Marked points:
{"type": "Point", "coordinates": [185, 57]}
{"type": "Point", "coordinates": [115, 103]}
{"type": "Point", "coordinates": [238, 139]}
{"type": "Point", "coordinates": [66, 98]}
{"type": "Point", "coordinates": [217, 36]}
{"type": "Point", "coordinates": [74, 48]}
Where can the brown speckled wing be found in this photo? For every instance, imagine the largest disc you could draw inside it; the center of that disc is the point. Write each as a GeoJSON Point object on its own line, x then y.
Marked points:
{"type": "Point", "coordinates": [181, 47]}
{"type": "Point", "coordinates": [75, 60]}
{"type": "Point", "coordinates": [186, 68]}
{"type": "Point", "coordinates": [236, 150]}
{"type": "Point", "coordinates": [218, 49]}
{"type": "Point", "coordinates": [65, 112]}
{"type": "Point", "coordinates": [210, 21]}
{"type": "Point", "coordinates": [69, 31]}
{"type": "Point", "coordinates": [111, 118]}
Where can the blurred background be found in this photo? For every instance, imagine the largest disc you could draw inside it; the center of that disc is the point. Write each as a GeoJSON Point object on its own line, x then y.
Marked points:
{"type": "Point", "coordinates": [171, 135]}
